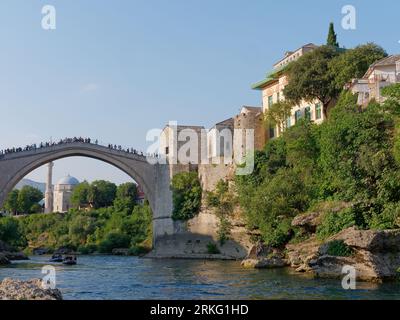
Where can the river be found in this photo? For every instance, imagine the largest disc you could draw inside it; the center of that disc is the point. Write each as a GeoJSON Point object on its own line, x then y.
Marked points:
{"type": "Point", "coordinates": [111, 277]}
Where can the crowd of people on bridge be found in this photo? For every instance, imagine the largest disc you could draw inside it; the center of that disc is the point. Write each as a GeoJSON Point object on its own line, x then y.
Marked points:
{"type": "Point", "coordinates": [73, 140]}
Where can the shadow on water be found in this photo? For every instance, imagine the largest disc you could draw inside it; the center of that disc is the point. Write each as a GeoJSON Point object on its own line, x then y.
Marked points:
{"type": "Point", "coordinates": [110, 277]}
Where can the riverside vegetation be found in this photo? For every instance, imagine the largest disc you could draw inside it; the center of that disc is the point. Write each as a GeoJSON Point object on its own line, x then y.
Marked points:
{"type": "Point", "coordinates": [105, 217]}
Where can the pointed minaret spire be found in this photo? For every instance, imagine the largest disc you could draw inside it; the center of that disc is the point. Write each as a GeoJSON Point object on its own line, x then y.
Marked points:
{"type": "Point", "coordinates": [48, 203]}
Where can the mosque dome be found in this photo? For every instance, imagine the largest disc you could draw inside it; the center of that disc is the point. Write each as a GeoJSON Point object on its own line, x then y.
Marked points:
{"type": "Point", "coordinates": [68, 180]}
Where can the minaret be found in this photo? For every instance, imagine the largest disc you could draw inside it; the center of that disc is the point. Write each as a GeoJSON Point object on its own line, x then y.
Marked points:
{"type": "Point", "coordinates": [48, 201]}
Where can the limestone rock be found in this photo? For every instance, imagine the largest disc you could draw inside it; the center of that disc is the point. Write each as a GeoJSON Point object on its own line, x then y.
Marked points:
{"type": "Point", "coordinates": [371, 240]}
{"type": "Point", "coordinates": [308, 221]}
{"type": "Point", "coordinates": [376, 255]}
{"type": "Point", "coordinates": [264, 263]}
{"type": "Point", "coordinates": [299, 254]}
{"type": "Point", "coordinates": [261, 257]}
{"type": "Point", "coordinates": [27, 290]}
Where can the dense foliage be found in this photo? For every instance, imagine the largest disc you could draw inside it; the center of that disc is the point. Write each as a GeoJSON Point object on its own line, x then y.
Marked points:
{"type": "Point", "coordinates": [100, 194]}
{"type": "Point", "coordinates": [339, 249]}
{"type": "Point", "coordinates": [25, 200]}
{"type": "Point", "coordinates": [222, 201]}
{"type": "Point", "coordinates": [186, 195]}
{"type": "Point", "coordinates": [123, 224]}
{"type": "Point", "coordinates": [351, 157]}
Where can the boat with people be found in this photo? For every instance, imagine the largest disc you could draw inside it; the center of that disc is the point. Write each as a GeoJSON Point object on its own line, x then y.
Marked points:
{"type": "Point", "coordinates": [70, 260]}
{"type": "Point", "coordinates": [56, 258]}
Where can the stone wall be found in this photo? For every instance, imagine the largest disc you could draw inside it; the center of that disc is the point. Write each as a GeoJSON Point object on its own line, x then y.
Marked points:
{"type": "Point", "coordinates": [210, 174]}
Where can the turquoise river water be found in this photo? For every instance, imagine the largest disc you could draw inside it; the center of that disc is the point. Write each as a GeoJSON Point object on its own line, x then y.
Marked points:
{"type": "Point", "coordinates": [111, 277]}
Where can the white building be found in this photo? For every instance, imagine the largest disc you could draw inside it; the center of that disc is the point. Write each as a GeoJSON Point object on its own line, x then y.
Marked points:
{"type": "Point", "coordinates": [379, 75]}
{"type": "Point", "coordinates": [58, 199]}
{"type": "Point", "coordinates": [62, 193]}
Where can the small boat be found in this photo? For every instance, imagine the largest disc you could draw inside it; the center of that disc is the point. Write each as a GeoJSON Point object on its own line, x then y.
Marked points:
{"type": "Point", "coordinates": [69, 260]}
{"type": "Point", "coordinates": [56, 258]}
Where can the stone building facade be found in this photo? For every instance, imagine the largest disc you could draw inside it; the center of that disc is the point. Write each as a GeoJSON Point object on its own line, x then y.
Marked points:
{"type": "Point", "coordinates": [379, 75]}
{"type": "Point", "coordinates": [272, 92]}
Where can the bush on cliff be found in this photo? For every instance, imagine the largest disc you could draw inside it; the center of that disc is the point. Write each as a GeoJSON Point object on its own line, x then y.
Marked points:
{"type": "Point", "coordinates": [334, 222]}
{"type": "Point", "coordinates": [338, 248]}
{"type": "Point", "coordinates": [186, 195]}
{"type": "Point", "coordinates": [223, 202]}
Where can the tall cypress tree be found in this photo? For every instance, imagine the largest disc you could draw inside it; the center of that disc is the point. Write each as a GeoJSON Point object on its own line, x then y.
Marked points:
{"type": "Point", "coordinates": [332, 38]}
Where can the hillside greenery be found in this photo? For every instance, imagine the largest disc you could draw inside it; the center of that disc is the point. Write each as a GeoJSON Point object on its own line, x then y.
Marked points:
{"type": "Point", "coordinates": [353, 157]}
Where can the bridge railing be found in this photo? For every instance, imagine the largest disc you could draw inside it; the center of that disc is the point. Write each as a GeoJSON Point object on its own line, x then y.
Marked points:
{"type": "Point", "coordinates": [34, 148]}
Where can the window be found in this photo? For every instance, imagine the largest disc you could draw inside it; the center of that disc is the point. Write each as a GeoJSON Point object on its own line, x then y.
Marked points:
{"type": "Point", "coordinates": [318, 111]}
{"type": "Point", "coordinates": [307, 113]}
{"type": "Point", "coordinates": [297, 115]}
{"type": "Point", "coordinates": [270, 101]}
{"type": "Point", "coordinates": [271, 132]}
{"type": "Point", "coordinates": [277, 97]}
{"type": "Point", "coordinates": [167, 150]}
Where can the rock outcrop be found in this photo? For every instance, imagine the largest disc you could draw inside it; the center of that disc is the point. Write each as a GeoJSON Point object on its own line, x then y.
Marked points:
{"type": "Point", "coordinates": [308, 221]}
{"type": "Point", "coordinates": [376, 255]}
{"type": "Point", "coordinates": [27, 290]}
{"type": "Point", "coordinates": [262, 257]}
{"type": "Point", "coordinates": [300, 254]}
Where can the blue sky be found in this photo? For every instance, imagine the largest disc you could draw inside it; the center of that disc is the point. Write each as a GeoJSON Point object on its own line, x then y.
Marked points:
{"type": "Point", "coordinates": [112, 70]}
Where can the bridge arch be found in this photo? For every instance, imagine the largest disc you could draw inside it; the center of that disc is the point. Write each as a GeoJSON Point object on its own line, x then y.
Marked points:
{"type": "Point", "coordinates": [154, 178]}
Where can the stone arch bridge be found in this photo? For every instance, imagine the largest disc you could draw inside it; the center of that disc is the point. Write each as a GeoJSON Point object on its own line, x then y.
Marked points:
{"type": "Point", "coordinates": [154, 178]}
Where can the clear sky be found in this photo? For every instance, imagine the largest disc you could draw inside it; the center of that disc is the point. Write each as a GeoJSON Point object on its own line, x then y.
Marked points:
{"type": "Point", "coordinates": [112, 70]}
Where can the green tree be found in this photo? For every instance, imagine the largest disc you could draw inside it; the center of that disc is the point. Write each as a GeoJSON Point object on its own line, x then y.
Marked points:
{"type": "Point", "coordinates": [354, 63]}
{"type": "Point", "coordinates": [310, 79]}
{"type": "Point", "coordinates": [80, 227]}
{"type": "Point", "coordinates": [278, 113]}
{"type": "Point", "coordinates": [186, 195]}
{"type": "Point", "coordinates": [126, 197]}
{"type": "Point", "coordinates": [10, 232]}
{"type": "Point", "coordinates": [11, 203]}
{"type": "Point", "coordinates": [102, 193]}
{"type": "Point", "coordinates": [114, 240]}
{"type": "Point", "coordinates": [27, 198]}
{"type": "Point", "coordinates": [80, 195]}
{"type": "Point", "coordinates": [332, 37]}
{"type": "Point", "coordinates": [392, 105]}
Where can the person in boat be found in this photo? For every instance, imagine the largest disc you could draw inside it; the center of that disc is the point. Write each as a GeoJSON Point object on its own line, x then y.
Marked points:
{"type": "Point", "coordinates": [56, 258]}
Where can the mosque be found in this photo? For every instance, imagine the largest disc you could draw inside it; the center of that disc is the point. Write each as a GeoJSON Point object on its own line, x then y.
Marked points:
{"type": "Point", "coordinates": [58, 199]}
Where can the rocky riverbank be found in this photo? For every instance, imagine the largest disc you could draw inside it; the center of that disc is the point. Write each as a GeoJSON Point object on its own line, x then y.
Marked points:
{"type": "Point", "coordinates": [8, 253]}
{"type": "Point", "coordinates": [27, 290]}
{"type": "Point", "coordinates": [375, 255]}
